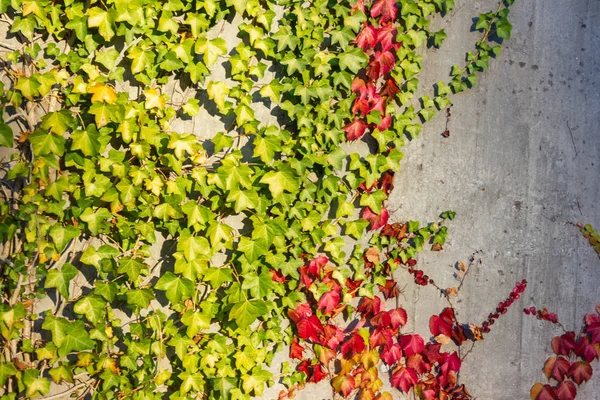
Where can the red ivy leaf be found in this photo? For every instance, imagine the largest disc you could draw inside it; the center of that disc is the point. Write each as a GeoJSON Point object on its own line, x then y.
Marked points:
{"type": "Point", "coordinates": [366, 38]}
{"type": "Point", "coordinates": [412, 344]}
{"type": "Point", "coordinates": [563, 345]}
{"type": "Point", "coordinates": [304, 366]}
{"type": "Point", "coordinates": [386, 61]}
{"type": "Point", "coordinates": [329, 301]}
{"type": "Point", "coordinates": [391, 354]}
{"type": "Point", "coordinates": [310, 329]}
{"type": "Point", "coordinates": [296, 350]}
{"type": "Point", "coordinates": [382, 337]}
{"type": "Point", "coordinates": [542, 392]}
{"type": "Point", "coordinates": [318, 374]}
{"type": "Point", "coordinates": [584, 349]}
{"type": "Point", "coordinates": [387, 9]}
{"type": "Point", "coordinates": [404, 378]}
{"type": "Point", "coordinates": [417, 363]}
{"type": "Point", "coordinates": [566, 391]}
{"type": "Point", "coordinates": [442, 324]}
{"type": "Point", "coordinates": [386, 37]}
{"type": "Point", "coordinates": [390, 290]}
{"type": "Point", "coordinates": [594, 331]}
{"type": "Point", "coordinates": [368, 307]}
{"type": "Point", "coordinates": [398, 317]}
{"type": "Point", "coordinates": [277, 276]}
{"type": "Point", "coordinates": [355, 129]}
{"type": "Point", "coordinates": [376, 220]}
{"type": "Point", "coordinates": [580, 372]}
{"type": "Point", "coordinates": [304, 276]}
{"type": "Point", "coordinates": [302, 311]}
{"type": "Point", "coordinates": [591, 319]}
{"type": "Point", "coordinates": [333, 336]}
{"type": "Point", "coordinates": [355, 344]}
{"type": "Point", "coordinates": [343, 384]}
{"type": "Point", "coordinates": [556, 368]}
{"type": "Point", "coordinates": [381, 320]}
{"type": "Point", "coordinates": [432, 353]}
{"type": "Point", "coordinates": [316, 264]}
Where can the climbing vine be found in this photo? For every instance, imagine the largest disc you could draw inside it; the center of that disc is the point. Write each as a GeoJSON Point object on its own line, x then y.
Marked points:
{"type": "Point", "coordinates": [142, 258]}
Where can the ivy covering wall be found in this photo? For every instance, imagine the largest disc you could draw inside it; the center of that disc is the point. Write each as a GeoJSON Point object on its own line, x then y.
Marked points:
{"type": "Point", "coordinates": [257, 223]}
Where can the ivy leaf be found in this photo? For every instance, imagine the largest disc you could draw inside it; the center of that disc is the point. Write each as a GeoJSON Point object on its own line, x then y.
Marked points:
{"type": "Point", "coordinates": [96, 220]}
{"type": "Point", "coordinates": [255, 381]}
{"type": "Point", "coordinates": [102, 93]}
{"type": "Point", "coordinates": [184, 143]}
{"type": "Point", "coordinates": [176, 288]}
{"type": "Point", "coordinates": [195, 322]}
{"type": "Point", "coordinates": [108, 290]}
{"type": "Point", "coordinates": [6, 135]}
{"type": "Point", "coordinates": [57, 122]}
{"type": "Point", "coordinates": [353, 60]}
{"type": "Point", "coordinates": [103, 20]}
{"type": "Point", "coordinates": [69, 336]}
{"type": "Point", "coordinates": [139, 297]}
{"type": "Point", "coordinates": [140, 59]}
{"type": "Point", "coordinates": [217, 92]}
{"type": "Point", "coordinates": [44, 143]}
{"type": "Point", "coordinates": [35, 384]}
{"type": "Point", "coordinates": [503, 29]}
{"type": "Point", "coordinates": [253, 249]}
{"type": "Point", "coordinates": [212, 49]}
{"type": "Point", "coordinates": [193, 246]}
{"type": "Point", "coordinates": [61, 236]}
{"type": "Point", "coordinates": [86, 141]}
{"type": "Point", "coordinates": [224, 385]}
{"type": "Point", "coordinates": [246, 312]}
{"type": "Point", "coordinates": [132, 267]}
{"type": "Point", "coordinates": [7, 369]}
{"type": "Point", "coordinates": [265, 148]}
{"type": "Point", "coordinates": [62, 373]}
{"type": "Point", "coordinates": [580, 371]}
{"type": "Point", "coordinates": [387, 9]}
{"type": "Point", "coordinates": [259, 285]}
{"type": "Point", "coordinates": [343, 384]}
{"type": "Point", "coordinates": [373, 200]}
{"type": "Point", "coordinates": [404, 378]}
{"type": "Point", "coordinates": [93, 307]}
{"type": "Point", "coordinates": [60, 279]}
{"type": "Point", "coordinates": [280, 180]}
{"type": "Point", "coordinates": [412, 344]}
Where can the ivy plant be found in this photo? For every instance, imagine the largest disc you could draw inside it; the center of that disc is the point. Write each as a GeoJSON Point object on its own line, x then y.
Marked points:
{"type": "Point", "coordinates": [256, 224]}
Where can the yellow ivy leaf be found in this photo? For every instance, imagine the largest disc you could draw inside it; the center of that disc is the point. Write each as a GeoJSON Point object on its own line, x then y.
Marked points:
{"type": "Point", "coordinates": [154, 99]}
{"type": "Point", "coordinates": [103, 93]}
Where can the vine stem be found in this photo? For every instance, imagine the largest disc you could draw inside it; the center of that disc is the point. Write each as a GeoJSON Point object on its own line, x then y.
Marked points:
{"type": "Point", "coordinates": [68, 391]}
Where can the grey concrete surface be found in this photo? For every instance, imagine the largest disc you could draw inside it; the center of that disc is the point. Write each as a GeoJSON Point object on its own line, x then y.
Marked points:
{"type": "Point", "coordinates": [521, 162]}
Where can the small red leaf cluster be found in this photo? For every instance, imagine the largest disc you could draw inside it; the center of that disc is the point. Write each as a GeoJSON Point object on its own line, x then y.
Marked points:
{"type": "Point", "coordinates": [503, 306]}
{"type": "Point", "coordinates": [542, 314]}
{"type": "Point", "coordinates": [571, 366]}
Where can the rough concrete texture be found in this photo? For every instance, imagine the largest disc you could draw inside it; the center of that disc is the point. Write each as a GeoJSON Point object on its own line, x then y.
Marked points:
{"type": "Point", "coordinates": [521, 163]}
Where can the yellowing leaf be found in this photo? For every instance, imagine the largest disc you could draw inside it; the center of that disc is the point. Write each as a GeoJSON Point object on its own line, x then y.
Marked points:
{"type": "Point", "coordinates": [103, 93]}
{"type": "Point", "coordinates": [101, 19]}
{"type": "Point", "coordinates": [153, 99]}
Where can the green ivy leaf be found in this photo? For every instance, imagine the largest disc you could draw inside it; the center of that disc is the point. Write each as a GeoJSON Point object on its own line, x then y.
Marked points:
{"type": "Point", "coordinates": [93, 307]}
{"type": "Point", "coordinates": [246, 312]}
{"type": "Point", "coordinates": [96, 220]}
{"type": "Point", "coordinates": [280, 180]}
{"type": "Point", "coordinates": [60, 279]}
{"type": "Point", "coordinates": [176, 288]}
